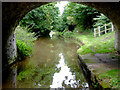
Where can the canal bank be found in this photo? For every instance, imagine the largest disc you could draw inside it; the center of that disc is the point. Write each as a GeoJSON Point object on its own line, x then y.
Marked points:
{"type": "Point", "coordinates": [101, 58]}
{"type": "Point", "coordinates": [101, 68]}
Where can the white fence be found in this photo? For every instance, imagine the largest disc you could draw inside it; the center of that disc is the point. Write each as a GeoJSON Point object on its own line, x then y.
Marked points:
{"type": "Point", "coordinates": [106, 29]}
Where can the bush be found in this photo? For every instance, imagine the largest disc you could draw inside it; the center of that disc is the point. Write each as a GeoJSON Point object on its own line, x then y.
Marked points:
{"type": "Point", "coordinates": [101, 20]}
{"type": "Point", "coordinates": [68, 34]}
{"type": "Point", "coordinates": [24, 42]}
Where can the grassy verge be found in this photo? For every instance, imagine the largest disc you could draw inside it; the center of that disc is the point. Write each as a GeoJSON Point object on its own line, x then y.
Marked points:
{"type": "Point", "coordinates": [102, 44]}
{"type": "Point", "coordinates": [109, 79]}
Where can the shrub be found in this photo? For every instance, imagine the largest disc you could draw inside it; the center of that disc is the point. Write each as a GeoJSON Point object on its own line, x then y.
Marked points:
{"type": "Point", "coordinates": [68, 34]}
{"type": "Point", "coordinates": [24, 42]}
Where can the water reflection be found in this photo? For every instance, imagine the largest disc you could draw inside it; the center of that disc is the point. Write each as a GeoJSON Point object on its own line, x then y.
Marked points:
{"type": "Point", "coordinates": [64, 78]}
{"type": "Point", "coordinates": [52, 65]}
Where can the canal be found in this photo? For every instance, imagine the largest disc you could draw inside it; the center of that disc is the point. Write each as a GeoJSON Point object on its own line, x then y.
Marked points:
{"type": "Point", "coordinates": [53, 64]}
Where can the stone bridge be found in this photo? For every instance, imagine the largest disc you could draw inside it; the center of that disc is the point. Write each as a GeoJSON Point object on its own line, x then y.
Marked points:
{"type": "Point", "coordinates": [12, 13]}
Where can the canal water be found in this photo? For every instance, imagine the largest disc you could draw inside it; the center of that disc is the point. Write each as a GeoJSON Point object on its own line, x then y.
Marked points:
{"type": "Point", "coordinates": [52, 65]}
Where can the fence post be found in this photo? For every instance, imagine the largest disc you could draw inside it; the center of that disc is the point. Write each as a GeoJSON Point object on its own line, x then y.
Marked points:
{"type": "Point", "coordinates": [94, 32]}
{"type": "Point", "coordinates": [105, 29]}
{"type": "Point", "coordinates": [112, 26]}
{"type": "Point", "coordinates": [99, 30]}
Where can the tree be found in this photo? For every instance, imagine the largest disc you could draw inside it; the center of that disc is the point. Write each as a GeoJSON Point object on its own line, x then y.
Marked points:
{"type": "Point", "coordinates": [82, 15]}
{"type": "Point", "coordinates": [41, 20]}
{"type": "Point", "coordinates": [101, 20]}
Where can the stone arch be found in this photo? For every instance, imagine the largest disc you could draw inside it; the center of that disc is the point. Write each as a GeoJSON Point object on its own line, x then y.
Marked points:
{"type": "Point", "coordinates": [12, 12]}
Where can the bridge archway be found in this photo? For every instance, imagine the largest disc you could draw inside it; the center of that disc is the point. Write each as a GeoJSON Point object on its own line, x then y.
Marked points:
{"type": "Point", "coordinates": [12, 13]}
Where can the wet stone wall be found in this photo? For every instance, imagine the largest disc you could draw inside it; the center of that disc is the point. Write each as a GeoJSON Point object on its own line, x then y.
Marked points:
{"type": "Point", "coordinates": [11, 48]}
{"type": "Point", "coordinates": [90, 78]}
{"type": "Point", "coordinates": [8, 56]}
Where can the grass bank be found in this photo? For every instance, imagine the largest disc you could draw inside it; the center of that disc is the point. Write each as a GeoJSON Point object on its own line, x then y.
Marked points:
{"type": "Point", "coordinates": [102, 44]}
{"type": "Point", "coordinates": [110, 79]}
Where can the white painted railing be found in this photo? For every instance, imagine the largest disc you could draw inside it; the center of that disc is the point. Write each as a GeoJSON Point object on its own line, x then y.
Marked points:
{"type": "Point", "coordinates": [98, 29]}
